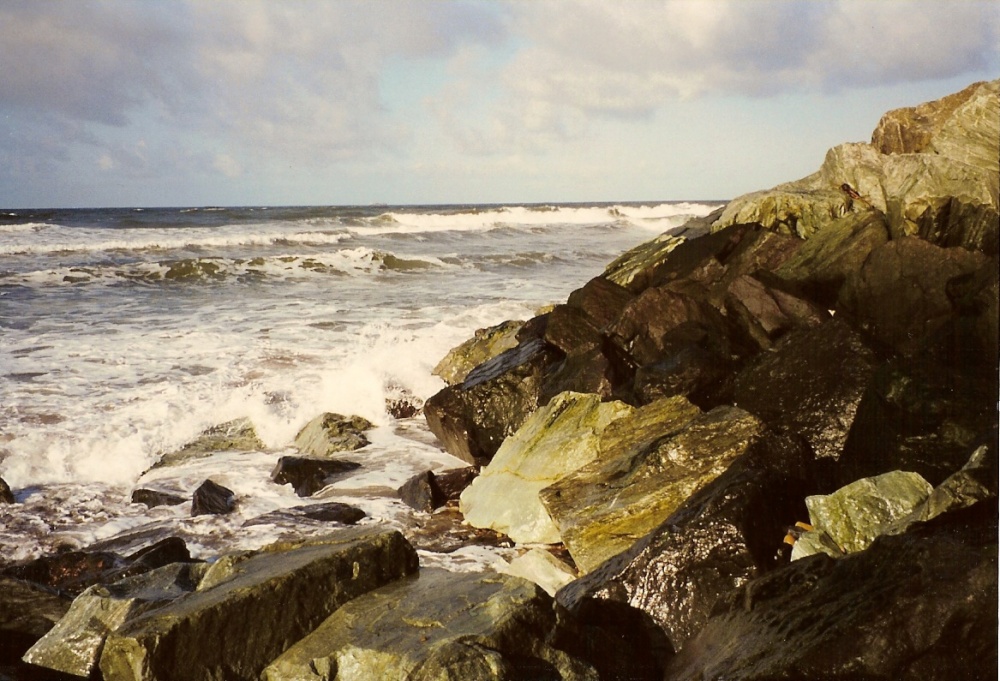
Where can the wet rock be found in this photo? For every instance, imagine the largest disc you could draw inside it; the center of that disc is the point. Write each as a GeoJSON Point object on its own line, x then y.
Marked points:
{"type": "Point", "coordinates": [485, 345]}
{"type": "Point", "coordinates": [720, 537]}
{"type": "Point", "coordinates": [212, 498]}
{"type": "Point", "coordinates": [552, 443]}
{"type": "Point", "coordinates": [443, 625]}
{"type": "Point", "coordinates": [445, 531]}
{"type": "Point", "coordinates": [403, 407]}
{"type": "Point", "coordinates": [260, 604]}
{"type": "Point", "coordinates": [236, 435]}
{"type": "Point", "coordinates": [824, 262]}
{"type": "Point", "coordinates": [428, 491]}
{"type": "Point", "coordinates": [330, 433]}
{"type": "Point", "coordinates": [585, 372]}
{"type": "Point", "coordinates": [600, 300]}
{"type": "Point", "coordinates": [308, 476]}
{"type": "Point", "coordinates": [6, 496]}
{"type": "Point", "coordinates": [633, 486]}
{"type": "Point", "coordinates": [74, 644]}
{"type": "Point", "coordinates": [70, 572]}
{"type": "Point", "coordinates": [329, 512]}
{"type": "Point", "coordinates": [917, 606]}
{"type": "Point", "coordinates": [692, 370]}
{"type": "Point", "coordinates": [571, 331]}
{"type": "Point", "coordinates": [152, 498]}
{"type": "Point", "coordinates": [542, 568]}
{"type": "Point", "coordinates": [27, 612]}
{"type": "Point", "coordinates": [472, 418]}
{"type": "Point", "coordinates": [811, 384]}
{"type": "Point", "coordinates": [764, 314]}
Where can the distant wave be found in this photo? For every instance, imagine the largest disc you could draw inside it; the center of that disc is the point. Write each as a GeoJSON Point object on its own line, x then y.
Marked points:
{"type": "Point", "coordinates": [24, 227]}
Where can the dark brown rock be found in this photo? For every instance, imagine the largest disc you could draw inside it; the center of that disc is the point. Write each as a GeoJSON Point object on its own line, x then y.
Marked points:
{"type": "Point", "coordinates": [587, 372]}
{"type": "Point", "coordinates": [27, 612]}
{"type": "Point", "coordinates": [428, 491]}
{"type": "Point", "coordinates": [600, 300]}
{"type": "Point", "coordinates": [6, 496]}
{"type": "Point", "coordinates": [152, 498]}
{"type": "Point", "coordinates": [329, 512]}
{"type": "Point", "coordinates": [212, 498]}
{"type": "Point", "coordinates": [725, 533]}
{"type": "Point", "coordinates": [764, 314]}
{"type": "Point", "coordinates": [917, 606]}
{"type": "Point", "coordinates": [953, 222]}
{"type": "Point", "coordinates": [70, 572]}
{"type": "Point", "coordinates": [307, 475]}
{"type": "Point", "coordinates": [810, 384]}
{"type": "Point", "coordinates": [571, 331]}
{"type": "Point", "coordinates": [474, 417]}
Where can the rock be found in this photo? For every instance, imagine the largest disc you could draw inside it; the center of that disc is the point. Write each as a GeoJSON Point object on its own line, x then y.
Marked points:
{"type": "Point", "coordinates": [485, 345]}
{"type": "Point", "coordinates": [27, 612]}
{"type": "Point", "coordinates": [824, 262]}
{"type": "Point", "coordinates": [262, 603]}
{"type": "Point", "coordinates": [329, 512]}
{"type": "Point", "coordinates": [472, 418]}
{"type": "Point", "coordinates": [330, 433]}
{"type": "Point", "coordinates": [571, 331]}
{"type": "Point", "coordinates": [445, 531]}
{"type": "Point", "coordinates": [917, 606]}
{"type": "Point", "coordinates": [584, 372]}
{"type": "Point", "coordinates": [810, 384]}
{"type": "Point", "coordinates": [693, 370]}
{"type": "Point", "coordinates": [6, 496]}
{"type": "Point", "coordinates": [634, 486]}
{"type": "Point", "coordinates": [74, 645]}
{"type": "Point", "coordinates": [403, 407]}
{"type": "Point", "coordinates": [600, 300]}
{"type": "Point", "coordinates": [552, 443]}
{"type": "Point", "coordinates": [723, 535]}
{"type": "Point", "coordinates": [900, 294]}
{"type": "Point", "coordinates": [909, 130]}
{"type": "Point", "coordinates": [764, 314]}
{"type": "Point", "coordinates": [212, 499]}
{"type": "Point", "coordinates": [856, 514]}
{"type": "Point", "coordinates": [429, 490]}
{"type": "Point", "coordinates": [308, 476]}
{"type": "Point", "coordinates": [442, 626]}
{"type": "Point", "coordinates": [236, 435]}
{"type": "Point", "coordinates": [152, 498]}
{"type": "Point", "coordinates": [542, 568]}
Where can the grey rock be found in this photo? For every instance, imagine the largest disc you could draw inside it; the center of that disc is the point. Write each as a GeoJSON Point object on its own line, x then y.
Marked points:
{"type": "Point", "coordinates": [236, 435]}
{"type": "Point", "coordinates": [212, 498]}
{"type": "Point", "coordinates": [152, 498]}
{"type": "Point", "coordinates": [330, 433]}
{"type": "Point", "coordinates": [27, 612]}
{"type": "Point", "coordinates": [308, 475]}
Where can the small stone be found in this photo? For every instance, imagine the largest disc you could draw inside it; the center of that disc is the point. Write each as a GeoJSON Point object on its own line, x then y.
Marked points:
{"type": "Point", "coordinates": [152, 498]}
{"type": "Point", "coordinates": [212, 498]}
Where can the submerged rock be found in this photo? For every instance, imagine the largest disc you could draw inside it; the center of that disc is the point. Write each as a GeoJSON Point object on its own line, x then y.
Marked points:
{"type": "Point", "coordinates": [236, 435]}
{"type": "Point", "coordinates": [552, 443]}
{"type": "Point", "coordinates": [916, 606]}
{"type": "Point", "coordinates": [212, 498]}
{"type": "Point", "coordinates": [152, 498]}
{"type": "Point", "coordinates": [262, 603]}
{"type": "Point", "coordinates": [308, 476]}
{"type": "Point", "coordinates": [330, 433]}
{"type": "Point", "coordinates": [483, 346]}
{"type": "Point", "coordinates": [329, 512]}
{"type": "Point", "coordinates": [605, 507]}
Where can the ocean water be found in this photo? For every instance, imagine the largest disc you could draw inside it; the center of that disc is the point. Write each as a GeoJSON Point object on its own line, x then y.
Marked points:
{"type": "Point", "coordinates": [125, 333]}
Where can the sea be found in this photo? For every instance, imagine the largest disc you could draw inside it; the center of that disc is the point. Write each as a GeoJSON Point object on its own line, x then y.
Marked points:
{"type": "Point", "coordinates": [127, 332]}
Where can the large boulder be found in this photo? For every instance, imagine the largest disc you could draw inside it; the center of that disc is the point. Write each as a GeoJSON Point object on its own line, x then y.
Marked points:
{"type": "Point", "coordinates": [442, 626]}
{"type": "Point", "coordinates": [472, 418]}
{"type": "Point", "coordinates": [921, 605]}
{"type": "Point", "coordinates": [723, 535]}
{"type": "Point", "coordinates": [811, 384]}
{"type": "Point", "coordinates": [636, 484]}
{"type": "Point", "coordinates": [483, 346]}
{"type": "Point", "coordinates": [330, 433]}
{"type": "Point", "coordinates": [911, 129]}
{"type": "Point", "coordinates": [552, 443]}
{"type": "Point", "coordinates": [236, 435]}
{"type": "Point", "coordinates": [249, 610]}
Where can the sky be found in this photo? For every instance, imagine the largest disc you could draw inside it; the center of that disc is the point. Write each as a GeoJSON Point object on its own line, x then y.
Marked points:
{"type": "Point", "coordinates": [343, 102]}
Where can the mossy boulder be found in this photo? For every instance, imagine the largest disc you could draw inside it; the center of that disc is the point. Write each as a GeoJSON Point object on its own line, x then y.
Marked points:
{"type": "Point", "coordinates": [484, 345]}
{"type": "Point", "coordinates": [330, 433]}
{"type": "Point", "coordinates": [236, 435]}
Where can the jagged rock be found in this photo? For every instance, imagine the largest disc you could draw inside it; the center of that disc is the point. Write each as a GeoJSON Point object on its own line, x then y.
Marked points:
{"type": "Point", "coordinates": [442, 626]}
{"type": "Point", "coordinates": [600, 300]}
{"type": "Point", "coordinates": [824, 262]}
{"type": "Point", "coordinates": [330, 433]}
{"type": "Point", "coordinates": [262, 603]}
{"type": "Point", "coordinates": [6, 496]}
{"type": "Point", "coordinates": [723, 535]}
{"type": "Point", "coordinates": [634, 486]}
{"type": "Point", "coordinates": [74, 644]}
{"type": "Point", "coordinates": [212, 498]}
{"type": "Point", "coordinates": [692, 370]}
{"type": "Point", "coordinates": [571, 331]}
{"type": "Point", "coordinates": [810, 384]}
{"type": "Point", "coordinates": [552, 443]}
{"type": "Point", "coordinates": [236, 435]}
{"type": "Point", "coordinates": [586, 372]}
{"type": "Point", "coordinates": [27, 612]}
{"type": "Point", "coordinates": [857, 513]}
{"type": "Point", "coordinates": [900, 294]}
{"type": "Point", "coordinates": [542, 568]}
{"type": "Point", "coordinates": [429, 490]}
{"type": "Point", "coordinates": [910, 129]}
{"type": "Point", "coordinates": [308, 476]}
{"type": "Point", "coordinates": [764, 314]}
{"type": "Point", "coordinates": [917, 606]}
{"type": "Point", "coordinates": [472, 418]}
{"type": "Point", "coordinates": [152, 498]}
{"type": "Point", "coordinates": [329, 512]}
{"type": "Point", "coordinates": [485, 345]}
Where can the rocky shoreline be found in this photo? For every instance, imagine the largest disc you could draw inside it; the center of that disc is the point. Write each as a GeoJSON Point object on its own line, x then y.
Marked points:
{"type": "Point", "coordinates": [763, 446]}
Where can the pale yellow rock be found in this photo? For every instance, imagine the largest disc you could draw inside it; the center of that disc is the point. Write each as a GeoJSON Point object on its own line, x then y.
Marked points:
{"type": "Point", "coordinates": [542, 568]}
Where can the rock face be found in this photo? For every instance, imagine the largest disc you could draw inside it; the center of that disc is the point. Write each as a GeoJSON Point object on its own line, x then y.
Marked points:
{"type": "Point", "coordinates": [917, 606]}
{"type": "Point", "coordinates": [263, 602]}
{"type": "Point", "coordinates": [330, 433]}
{"type": "Point", "coordinates": [485, 345]}
{"type": "Point", "coordinates": [606, 507]}
{"type": "Point", "coordinates": [443, 625]}
{"type": "Point", "coordinates": [552, 443]}
{"type": "Point", "coordinates": [308, 475]}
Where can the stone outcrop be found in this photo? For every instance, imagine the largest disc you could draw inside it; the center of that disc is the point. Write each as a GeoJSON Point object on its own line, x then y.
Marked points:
{"type": "Point", "coordinates": [484, 345]}
{"type": "Point", "coordinates": [330, 433]}
{"type": "Point", "coordinates": [262, 602]}
{"type": "Point", "coordinates": [552, 443]}
{"type": "Point", "coordinates": [309, 475]}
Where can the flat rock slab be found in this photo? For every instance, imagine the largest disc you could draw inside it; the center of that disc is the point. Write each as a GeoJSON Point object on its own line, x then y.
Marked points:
{"type": "Point", "coordinates": [248, 610]}
{"type": "Point", "coordinates": [152, 498]}
{"type": "Point", "coordinates": [605, 507]}
{"type": "Point", "coordinates": [330, 512]}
